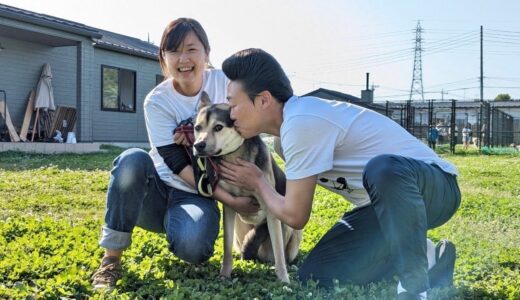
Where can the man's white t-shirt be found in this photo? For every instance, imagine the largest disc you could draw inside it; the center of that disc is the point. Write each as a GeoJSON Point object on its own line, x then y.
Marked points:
{"type": "Point", "coordinates": [335, 140]}
{"type": "Point", "coordinates": [165, 108]}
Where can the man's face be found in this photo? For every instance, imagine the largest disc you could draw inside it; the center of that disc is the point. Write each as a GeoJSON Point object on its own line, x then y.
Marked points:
{"type": "Point", "coordinates": [244, 112]}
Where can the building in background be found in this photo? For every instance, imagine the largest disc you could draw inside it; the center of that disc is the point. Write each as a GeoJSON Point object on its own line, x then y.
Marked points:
{"type": "Point", "coordinates": [103, 75]}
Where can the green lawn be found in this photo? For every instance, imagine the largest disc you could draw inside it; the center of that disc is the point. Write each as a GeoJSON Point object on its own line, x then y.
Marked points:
{"type": "Point", "coordinates": [52, 209]}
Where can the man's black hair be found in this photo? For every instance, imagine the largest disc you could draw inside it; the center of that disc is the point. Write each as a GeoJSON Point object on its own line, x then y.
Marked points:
{"type": "Point", "coordinates": [258, 71]}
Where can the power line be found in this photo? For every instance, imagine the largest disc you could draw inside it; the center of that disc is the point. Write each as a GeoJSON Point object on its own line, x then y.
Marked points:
{"type": "Point", "coordinates": [505, 36]}
{"type": "Point", "coordinates": [456, 37]}
{"type": "Point", "coordinates": [502, 87]}
{"type": "Point", "coordinates": [373, 61]}
{"type": "Point", "coordinates": [506, 40]}
{"type": "Point", "coordinates": [380, 35]}
{"type": "Point", "coordinates": [448, 49]}
{"type": "Point", "coordinates": [506, 31]}
{"type": "Point", "coordinates": [498, 77]}
{"type": "Point", "coordinates": [453, 82]}
{"type": "Point", "coordinates": [388, 57]}
{"type": "Point", "coordinates": [392, 89]}
{"type": "Point", "coordinates": [497, 40]}
{"type": "Point", "coordinates": [466, 39]}
{"type": "Point", "coordinates": [364, 59]}
{"type": "Point", "coordinates": [327, 82]}
{"type": "Point", "coordinates": [388, 44]}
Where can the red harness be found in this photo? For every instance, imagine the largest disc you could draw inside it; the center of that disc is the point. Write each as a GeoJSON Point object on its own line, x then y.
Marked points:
{"type": "Point", "coordinates": [187, 131]}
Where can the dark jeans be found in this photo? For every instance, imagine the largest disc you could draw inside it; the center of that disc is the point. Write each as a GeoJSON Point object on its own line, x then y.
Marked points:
{"type": "Point", "coordinates": [387, 237]}
{"type": "Point", "coordinates": [137, 196]}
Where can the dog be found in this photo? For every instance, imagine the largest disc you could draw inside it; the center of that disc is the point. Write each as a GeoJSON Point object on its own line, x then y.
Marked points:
{"type": "Point", "coordinates": [259, 236]}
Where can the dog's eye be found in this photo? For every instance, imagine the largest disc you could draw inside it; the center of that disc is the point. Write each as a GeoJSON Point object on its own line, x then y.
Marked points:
{"type": "Point", "coordinates": [218, 128]}
{"type": "Point", "coordinates": [197, 128]}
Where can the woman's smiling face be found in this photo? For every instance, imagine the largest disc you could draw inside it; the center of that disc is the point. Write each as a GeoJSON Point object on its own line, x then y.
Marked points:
{"type": "Point", "coordinates": [186, 64]}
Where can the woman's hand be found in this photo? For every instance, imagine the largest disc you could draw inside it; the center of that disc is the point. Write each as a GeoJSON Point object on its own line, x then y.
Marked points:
{"type": "Point", "coordinates": [242, 173]}
{"type": "Point", "coordinates": [179, 138]}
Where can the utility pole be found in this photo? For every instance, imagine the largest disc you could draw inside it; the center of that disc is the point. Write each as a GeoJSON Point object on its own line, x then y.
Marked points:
{"type": "Point", "coordinates": [417, 83]}
{"type": "Point", "coordinates": [481, 63]}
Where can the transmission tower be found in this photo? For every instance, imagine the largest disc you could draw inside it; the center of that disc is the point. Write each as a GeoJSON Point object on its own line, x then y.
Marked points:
{"type": "Point", "coordinates": [417, 84]}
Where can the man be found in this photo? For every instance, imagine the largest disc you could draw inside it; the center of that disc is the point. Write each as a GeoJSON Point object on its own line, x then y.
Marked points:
{"type": "Point", "coordinates": [433, 135]}
{"type": "Point", "coordinates": [466, 136]}
{"type": "Point", "coordinates": [401, 187]}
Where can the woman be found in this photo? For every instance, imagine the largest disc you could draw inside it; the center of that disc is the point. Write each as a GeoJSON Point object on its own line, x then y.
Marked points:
{"type": "Point", "coordinates": [155, 190]}
{"type": "Point", "coordinates": [466, 136]}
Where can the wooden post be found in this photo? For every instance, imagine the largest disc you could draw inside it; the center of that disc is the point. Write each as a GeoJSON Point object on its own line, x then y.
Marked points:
{"type": "Point", "coordinates": [10, 127]}
{"type": "Point", "coordinates": [27, 118]}
{"type": "Point", "coordinates": [35, 126]}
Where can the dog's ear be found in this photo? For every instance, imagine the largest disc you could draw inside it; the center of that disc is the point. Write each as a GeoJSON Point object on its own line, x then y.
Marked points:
{"type": "Point", "coordinates": [204, 100]}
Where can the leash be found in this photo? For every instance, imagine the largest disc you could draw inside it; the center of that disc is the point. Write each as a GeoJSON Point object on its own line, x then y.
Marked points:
{"type": "Point", "coordinates": [208, 174]}
{"type": "Point", "coordinates": [186, 129]}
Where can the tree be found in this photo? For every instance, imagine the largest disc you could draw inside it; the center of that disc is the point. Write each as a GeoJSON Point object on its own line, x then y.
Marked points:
{"type": "Point", "coordinates": [502, 97]}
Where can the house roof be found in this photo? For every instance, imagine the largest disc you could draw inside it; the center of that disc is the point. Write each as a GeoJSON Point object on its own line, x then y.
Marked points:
{"type": "Point", "coordinates": [333, 95]}
{"type": "Point", "coordinates": [126, 44]}
{"type": "Point", "coordinates": [339, 96]}
{"type": "Point", "coordinates": [102, 38]}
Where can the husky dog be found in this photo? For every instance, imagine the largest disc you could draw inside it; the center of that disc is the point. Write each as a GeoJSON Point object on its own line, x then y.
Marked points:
{"type": "Point", "coordinates": [216, 137]}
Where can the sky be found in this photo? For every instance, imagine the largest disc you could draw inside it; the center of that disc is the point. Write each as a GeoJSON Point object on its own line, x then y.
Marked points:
{"type": "Point", "coordinates": [332, 44]}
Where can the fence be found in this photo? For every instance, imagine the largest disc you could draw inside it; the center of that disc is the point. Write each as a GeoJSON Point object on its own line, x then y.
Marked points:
{"type": "Point", "coordinates": [490, 125]}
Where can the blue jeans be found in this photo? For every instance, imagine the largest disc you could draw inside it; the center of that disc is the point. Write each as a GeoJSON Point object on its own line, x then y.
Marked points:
{"type": "Point", "coordinates": [387, 237]}
{"type": "Point", "coordinates": [137, 196]}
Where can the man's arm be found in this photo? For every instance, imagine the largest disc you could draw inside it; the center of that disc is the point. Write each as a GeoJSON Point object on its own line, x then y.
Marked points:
{"type": "Point", "coordinates": [294, 209]}
{"type": "Point", "coordinates": [243, 205]}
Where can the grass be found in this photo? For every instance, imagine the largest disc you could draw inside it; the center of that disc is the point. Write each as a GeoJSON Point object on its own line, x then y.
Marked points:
{"type": "Point", "coordinates": [53, 207]}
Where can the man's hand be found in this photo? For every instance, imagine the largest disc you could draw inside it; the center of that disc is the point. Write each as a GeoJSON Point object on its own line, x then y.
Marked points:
{"type": "Point", "coordinates": [242, 173]}
{"type": "Point", "coordinates": [243, 205]}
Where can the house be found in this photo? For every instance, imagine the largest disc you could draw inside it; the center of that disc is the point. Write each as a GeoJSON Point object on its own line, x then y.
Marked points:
{"type": "Point", "coordinates": [104, 75]}
{"type": "Point", "coordinates": [339, 96]}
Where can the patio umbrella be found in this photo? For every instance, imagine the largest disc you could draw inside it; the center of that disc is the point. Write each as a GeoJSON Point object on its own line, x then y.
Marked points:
{"type": "Point", "coordinates": [44, 94]}
{"type": "Point", "coordinates": [44, 101]}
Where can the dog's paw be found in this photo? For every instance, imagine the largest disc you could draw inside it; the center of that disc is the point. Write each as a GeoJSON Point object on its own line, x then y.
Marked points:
{"type": "Point", "coordinates": [225, 273]}
{"type": "Point", "coordinates": [284, 278]}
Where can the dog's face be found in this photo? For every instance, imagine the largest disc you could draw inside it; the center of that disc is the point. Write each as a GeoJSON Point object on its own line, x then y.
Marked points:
{"type": "Point", "coordinates": [213, 129]}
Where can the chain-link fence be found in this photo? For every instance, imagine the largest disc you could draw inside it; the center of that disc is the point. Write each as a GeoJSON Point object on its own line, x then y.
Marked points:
{"type": "Point", "coordinates": [452, 122]}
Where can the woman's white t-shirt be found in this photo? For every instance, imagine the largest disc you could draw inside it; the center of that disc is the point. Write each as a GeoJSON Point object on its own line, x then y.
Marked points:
{"type": "Point", "coordinates": [165, 108]}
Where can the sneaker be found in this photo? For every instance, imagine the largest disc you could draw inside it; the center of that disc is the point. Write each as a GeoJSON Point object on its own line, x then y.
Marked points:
{"type": "Point", "coordinates": [403, 294]}
{"type": "Point", "coordinates": [108, 273]}
{"type": "Point", "coordinates": [441, 274]}
{"type": "Point", "coordinates": [409, 296]}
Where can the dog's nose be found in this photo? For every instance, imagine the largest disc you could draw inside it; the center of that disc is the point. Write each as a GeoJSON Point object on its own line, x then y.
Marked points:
{"type": "Point", "coordinates": [200, 146]}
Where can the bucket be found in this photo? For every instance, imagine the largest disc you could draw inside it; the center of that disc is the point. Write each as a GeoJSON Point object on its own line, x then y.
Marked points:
{"type": "Point", "coordinates": [71, 138]}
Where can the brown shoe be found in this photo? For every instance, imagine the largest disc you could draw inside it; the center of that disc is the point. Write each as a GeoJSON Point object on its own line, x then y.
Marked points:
{"type": "Point", "coordinates": [108, 274]}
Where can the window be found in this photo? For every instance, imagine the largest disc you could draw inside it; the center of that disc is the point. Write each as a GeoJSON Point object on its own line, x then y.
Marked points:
{"type": "Point", "coordinates": [117, 89]}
